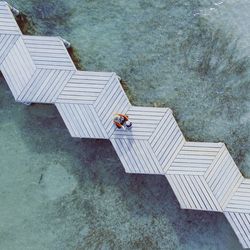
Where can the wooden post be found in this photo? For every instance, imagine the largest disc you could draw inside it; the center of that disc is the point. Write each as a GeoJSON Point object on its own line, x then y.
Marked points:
{"type": "Point", "coordinates": [66, 43]}
{"type": "Point", "coordinates": [15, 11]}
{"type": "Point", "coordinates": [26, 103]}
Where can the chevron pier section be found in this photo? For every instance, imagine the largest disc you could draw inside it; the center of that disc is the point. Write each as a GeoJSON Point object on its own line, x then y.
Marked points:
{"type": "Point", "coordinates": [202, 175]}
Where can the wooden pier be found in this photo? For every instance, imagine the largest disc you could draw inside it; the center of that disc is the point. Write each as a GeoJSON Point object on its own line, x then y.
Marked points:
{"type": "Point", "coordinates": [202, 175]}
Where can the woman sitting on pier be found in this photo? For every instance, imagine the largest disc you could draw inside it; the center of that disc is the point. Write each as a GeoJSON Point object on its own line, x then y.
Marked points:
{"type": "Point", "coordinates": [120, 120]}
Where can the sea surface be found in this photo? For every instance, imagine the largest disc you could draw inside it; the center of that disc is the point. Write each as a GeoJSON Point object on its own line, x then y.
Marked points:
{"type": "Point", "coordinates": [60, 193]}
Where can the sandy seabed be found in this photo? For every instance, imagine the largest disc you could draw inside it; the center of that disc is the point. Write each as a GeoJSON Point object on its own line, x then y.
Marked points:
{"type": "Point", "coordinates": [57, 192]}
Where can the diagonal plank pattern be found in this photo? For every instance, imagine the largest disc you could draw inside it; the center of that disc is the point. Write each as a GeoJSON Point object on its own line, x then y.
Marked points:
{"type": "Point", "coordinates": [202, 175]}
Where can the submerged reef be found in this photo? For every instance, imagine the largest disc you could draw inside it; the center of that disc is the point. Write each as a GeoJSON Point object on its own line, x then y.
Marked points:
{"type": "Point", "coordinates": [64, 193]}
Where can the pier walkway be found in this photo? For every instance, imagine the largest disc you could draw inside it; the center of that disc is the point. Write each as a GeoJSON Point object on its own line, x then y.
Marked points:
{"type": "Point", "coordinates": [202, 175]}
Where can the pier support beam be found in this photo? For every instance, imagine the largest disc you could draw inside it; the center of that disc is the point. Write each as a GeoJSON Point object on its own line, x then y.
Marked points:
{"type": "Point", "coordinates": [26, 103]}
{"type": "Point", "coordinates": [66, 43]}
{"type": "Point", "coordinates": [15, 11]}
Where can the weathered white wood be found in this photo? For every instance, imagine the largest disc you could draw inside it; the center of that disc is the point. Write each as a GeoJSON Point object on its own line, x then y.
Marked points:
{"type": "Point", "coordinates": [44, 86]}
{"type": "Point", "coordinates": [165, 148]}
{"type": "Point", "coordinates": [84, 122]}
{"type": "Point", "coordinates": [204, 203]}
{"type": "Point", "coordinates": [6, 44]}
{"type": "Point", "coordinates": [194, 191]}
{"type": "Point", "coordinates": [45, 54]}
{"type": "Point", "coordinates": [169, 146]}
{"type": "Point", "coordinates": [142, 127]}
{"type": "Point", "coordinates": [230, 192]}
{"type": "Point", "coordinates": [42, 39]}
{"type": "Point", "coordinates": [17, 68]}
{"type": "Point", "coordinates": [82, 88]}
{"type": "Point", "coordinates": [169, 132]}
{"type": "Point", "coordinates": [180, 183]}
{"type": "Point", "coordinates": [174, 152]}
{"type": "Point", "coordinates": [240, 222]}
{"type": "Point", "coordinates": [132, 162]}
{"type": "Point", "coordinates": [123, 157]}
{"type": "Point", "coordinates": [111, 100]}
{"type": "Point", "coordinates": [66, 118]}
{"type": "Point", "coordinates": [8, 24]}
{"type": "Point", "coordinates": [223, 176]}
{"type": "Point", "coordinates": [110, 93]}
{"type": "Point", "coordinates": [189, 161]}
{"type": "Point", "coordinates": [240, 200]}
{"type": "Point", "coordinates": [203, 144]}
{"type": "Point", "coordinates": [149, 109]}
{"type": "Point", "coordinates": [139, 156]}
{"type": "Point", "coordinates": [167, 120]}
{"type": "Point", "coordinates": [177, 191]}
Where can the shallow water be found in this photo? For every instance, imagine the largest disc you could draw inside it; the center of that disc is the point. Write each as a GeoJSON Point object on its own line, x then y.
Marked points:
{"type": "Point", "coordinates": [63, 193]}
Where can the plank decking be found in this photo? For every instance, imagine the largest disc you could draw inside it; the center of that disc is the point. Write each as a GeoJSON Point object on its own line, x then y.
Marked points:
{"type": "Point", "coordinates": [202, 175]}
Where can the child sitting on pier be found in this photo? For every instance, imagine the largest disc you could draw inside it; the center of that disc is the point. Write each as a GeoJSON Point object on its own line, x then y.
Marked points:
{"type": "Point", "coordinates": [120, 120]}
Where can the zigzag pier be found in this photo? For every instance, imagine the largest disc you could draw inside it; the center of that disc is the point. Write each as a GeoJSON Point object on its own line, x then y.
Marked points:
{"type": "Point", "coordinates": [202, 175]}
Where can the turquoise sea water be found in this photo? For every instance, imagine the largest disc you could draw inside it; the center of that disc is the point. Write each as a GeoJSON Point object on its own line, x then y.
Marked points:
{"type": "Point", "coordinates": [57, 192]}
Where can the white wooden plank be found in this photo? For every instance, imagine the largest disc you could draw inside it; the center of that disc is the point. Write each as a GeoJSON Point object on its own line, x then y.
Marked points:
{"type": "Point", "coordinates": [164, 125]}
{"type": "Point", "coordinates": [50, 54]}
{"type": "Point", "coordinates": [233, 219]}
{"type": "Point", "coordinates": [77, 98]}
{"type": "Point", "coordinates": [168, 139]}
{"type": "Point", "coordinates": [228, 179]}
{"type": "Point", "coordinates": [165, 137]}
{"type": "Point", "coordinates": [87, 102]}
{"type": "Point", "coordinates": [204, 144]}
{"type": "Point", "coordinates": [87, 85]}
{"type": "Point", "coordinates": [98, 74]}
{"type": "Point", "coordinates": [186, 191]}
{"type": "Point", "coordinates": [57, 89]}
{"type": "Point", "coordinates": [170, 149]}
{"type": "Point", "coordinates": [111, 104]}
{"type": "Point", "coordinates": [132, 162]}
{"type": "Point", "coordinates": [110, 95]}
{"type": "Point", "coordinates": [8, 25]}
{"type": "Point", "coordinates": [217, 161]}
{"type": "Point", "coordinates": [42, 39]}
{"type": "Point", "coordinates": [46, 94]}
{"type": "Point", "coordinates": [33, 86]}
{"type": "Point", "coordinates": [104, 93]}
{"type": "Point", "coordinates": [19, 72]}
{"type": "Point", "coordinates": [66, 119]}
{"type": "Point", "coordinates": [174, 152]}
{"type": "Point", "coordinates": [140, 155]}
{"type": "Point", "coordinates": [24, 94]}
{"type": "Point", "coordinates": [73, 118]}
{"type": "Point", "coordinates": [177, 188]}
{"type": "Point", "coordinates": [204, 203]}
{"type": "Point", "coordinates": [97, 121]}
{"type": "Point", "coordinates": [122, 156]}
{"type": "Point", "coordinates": [208, 194]}
{"type": "Point", "coordinates": [230, 192]}
{"type": "Point", "coordinates": [6, 73]}
{"type": "Point", "coordinates": [83, 121]}
{"type": "Point", "coordinates": [220, 171]}
{"type": "Point", "coordinates": [40, 87]}
{"type": "Point", "coordinates": [149, 109]}
{"type": "Point", "coordinates": [6, 43]}
{"type": "Point", "coordinates": [151, 160]}
{"type": "Point", "coordinates": [194, 161]}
